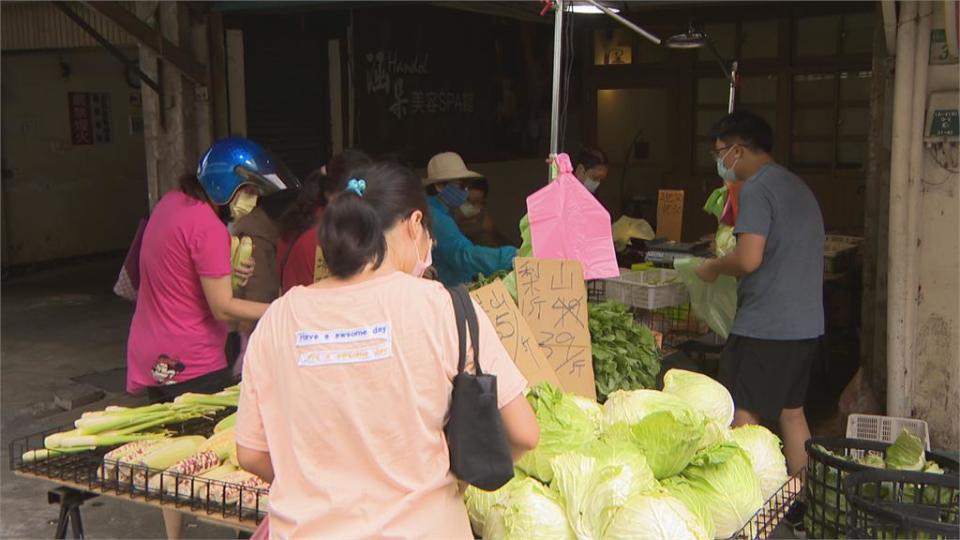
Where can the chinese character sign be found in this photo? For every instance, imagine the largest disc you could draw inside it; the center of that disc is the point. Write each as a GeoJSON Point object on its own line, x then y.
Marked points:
{"type": "Point", "coordinates": [553, 301]}
{"type": "Point", "coordinates": [514, 333]}
{"type": "Point", "coordinates": [81, 123]}
{"type": "Point", "coordinates": [89, 114]}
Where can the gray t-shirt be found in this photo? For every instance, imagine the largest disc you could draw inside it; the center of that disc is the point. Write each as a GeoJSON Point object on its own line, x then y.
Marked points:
{"type": "Point", "coordinates": [783, 298]}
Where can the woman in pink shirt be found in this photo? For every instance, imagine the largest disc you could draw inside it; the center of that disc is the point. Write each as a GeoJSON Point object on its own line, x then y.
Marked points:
{"type": "Point", "coordinates": [347, 382]}
{"type": "Point", "coordinates": [179, 329]}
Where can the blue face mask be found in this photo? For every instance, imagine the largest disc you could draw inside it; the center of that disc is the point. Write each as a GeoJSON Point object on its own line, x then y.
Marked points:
{"type": "Point", "coordinates": [453, 195]}
{"type": "Point", "coordinates": [725, 173]}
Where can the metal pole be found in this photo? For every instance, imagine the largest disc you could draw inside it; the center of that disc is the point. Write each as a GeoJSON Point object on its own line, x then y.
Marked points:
{"type": "Point", "coordinates": [622, 20]}
{"type": "Point", "coordinates": [557, 56]}
{"type": "Point", "coordinates": [733, 87]}
{"type": "Point", "coordinates": [897, 262]}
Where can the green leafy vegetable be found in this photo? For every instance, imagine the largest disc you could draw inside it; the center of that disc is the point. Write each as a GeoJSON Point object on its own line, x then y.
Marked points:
{"type": "Point", "coordinates": [527, 511]}
{"type": "Point", "coordinates": [595, 484]}
{"type": "Point", "coordinates": [655, 516]}
{"type": "Point", "coordinates": [723, 476]}
{"type": "Point", "coordinates": [564, 426]}
{"type": "Point", "coordinates": [480, 502]}
{"type": "Point", "coordinates": [767, 459]}
{"type": "Point", "coordinates": [625, 354]}
{"type": "Point", "coordinates": [665, 429]}
{"type": "Point", "coordinates": [681, 488]}
{"type": "Point", "coordinates": [906, 453]}
{"type": "Point", "coordinates": [702, 393]}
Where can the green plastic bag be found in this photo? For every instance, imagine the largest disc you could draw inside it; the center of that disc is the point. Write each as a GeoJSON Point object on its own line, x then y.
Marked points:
{"type": "Point", "coordinates": [714, 303]}
{"type": "Point", "coordinates": [716, 201]}
{"type": "Point", "coordinates": [526, 246]}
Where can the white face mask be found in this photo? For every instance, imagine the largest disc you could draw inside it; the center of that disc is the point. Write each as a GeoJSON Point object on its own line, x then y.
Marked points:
{"type": "Point", "coordinates": [727, 174]}
{"type": "Point", "coordinates": [421, 267]}
{"type": "Point", "coordinates": [590, 184]}
{"type": "Point", "coordinates": [470, 210]}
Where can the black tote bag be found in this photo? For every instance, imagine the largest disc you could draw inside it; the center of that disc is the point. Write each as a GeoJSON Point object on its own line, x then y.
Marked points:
{"type": "Point", "coordinates": [479, 452]}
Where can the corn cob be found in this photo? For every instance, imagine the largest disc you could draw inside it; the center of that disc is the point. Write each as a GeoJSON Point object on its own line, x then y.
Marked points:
{"type": "Point", "coordinates": [172, 451]}
{"type": "Point", "coordinates": [162, 456]}
{"type": "Point", "coordinates": [223, 443]}
{"type": "Point", "coordinates": [234, 244]}
{"type": "Point", "coordinates": [184, 470]}
{"type": "Point", "coordinates": [126, 454]}
{"type": "Point", "coordinates": [32, 456]}
{"type": "Point", "coordinates": [227, 422]}
{"type": "Point", "coordinates": [244, 252]}
{"type": "Point", "coordinates": [249, 485]}
{"type": "Point", "coordinates": [213, 475]}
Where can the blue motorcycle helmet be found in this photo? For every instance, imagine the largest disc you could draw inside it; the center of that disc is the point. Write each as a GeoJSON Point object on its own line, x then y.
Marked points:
{"type": "Point", "coordinates": [234, 162]}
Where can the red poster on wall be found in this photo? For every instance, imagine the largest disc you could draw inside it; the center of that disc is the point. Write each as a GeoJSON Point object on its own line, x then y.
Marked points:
{"type": "Point", "coordinates": [81, 125]}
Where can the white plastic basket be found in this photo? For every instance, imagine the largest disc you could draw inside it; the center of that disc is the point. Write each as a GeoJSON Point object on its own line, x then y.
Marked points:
{"type": "Point", "coordinates": [647, 289]}
{"type": "Point", "coordinates": [873, 427]}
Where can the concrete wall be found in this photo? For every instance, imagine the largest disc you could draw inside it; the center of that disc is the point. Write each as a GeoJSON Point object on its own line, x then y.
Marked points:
{"type": "Point", "coordinates": [62, 200]}
{"type": "Point", "coordinates": [936, 369]}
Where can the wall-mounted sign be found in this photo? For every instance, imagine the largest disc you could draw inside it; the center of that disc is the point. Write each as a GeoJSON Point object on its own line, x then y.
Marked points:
{"type": "Point", "coordinates": [89, 114]}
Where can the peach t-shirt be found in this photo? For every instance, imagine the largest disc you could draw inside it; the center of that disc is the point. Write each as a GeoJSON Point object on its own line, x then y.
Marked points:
{"type": "Point", "coordinates": [348, 389]}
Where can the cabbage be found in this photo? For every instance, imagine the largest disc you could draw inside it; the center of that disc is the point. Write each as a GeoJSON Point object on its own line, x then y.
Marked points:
{"type": "Point", "coordinates": [702, 393]}
{"type": "Point", "coordinates": [479, 502]}
{"type": "Point", "coordinates": [906, 453]}
{"type": "Point", "coordinates": [596, 483]}
{"type": "Point", "coordinates": [655, 516]}
{"type": "Point", "coordinates": [767, 459]}
{"type": "Point", "coordinates": [665, 429]}
{"type": "Point", "coordinates": [723, 476]}
{"type": "Point", "coordinates": [680, 488]}
{"type": "Point", "coordinates": [592, 408]}
{"type": "Point", "coordinates": [528, 510]}
{"type": "Point", "coordinates": [724, 241]}
{"type": "Point", "coordinates": [564, 426]}
{"type": "Point", "coordinates": [714, 433]}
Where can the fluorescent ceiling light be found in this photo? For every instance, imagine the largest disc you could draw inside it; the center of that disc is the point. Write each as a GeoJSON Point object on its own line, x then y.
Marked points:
{"type": "Point", "coordinates": [587, 9]}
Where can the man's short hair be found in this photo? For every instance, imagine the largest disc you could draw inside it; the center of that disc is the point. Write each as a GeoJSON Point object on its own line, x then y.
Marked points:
{"type": "Point", "coordinates": [590, 158]}
{"type": "Point", "coordinates": [751, 129]}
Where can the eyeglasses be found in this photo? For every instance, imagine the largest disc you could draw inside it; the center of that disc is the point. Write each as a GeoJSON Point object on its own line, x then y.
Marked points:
{"type": "Point", "coordinates": [717, 152]}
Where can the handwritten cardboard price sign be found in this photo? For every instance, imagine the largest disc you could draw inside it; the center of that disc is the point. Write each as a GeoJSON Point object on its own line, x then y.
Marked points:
{"type": "Point", "coordinates": [514, 333]}
{"type": "Point", "coordinates": [670, 213]}
{"type": "Point", "coordinates": [553, 300]}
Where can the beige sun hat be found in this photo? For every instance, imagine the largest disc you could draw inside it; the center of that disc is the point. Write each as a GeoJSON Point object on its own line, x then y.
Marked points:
{"type": "Point", "coordinates": [447, 166]}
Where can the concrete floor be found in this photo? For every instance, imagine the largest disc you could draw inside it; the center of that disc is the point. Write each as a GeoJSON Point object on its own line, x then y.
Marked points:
{"type": "Point", "coordinates": [56, 324]}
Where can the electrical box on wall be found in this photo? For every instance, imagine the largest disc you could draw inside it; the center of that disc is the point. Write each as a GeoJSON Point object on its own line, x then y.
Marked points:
{"type": "Point", "coordinates": [943, 118]}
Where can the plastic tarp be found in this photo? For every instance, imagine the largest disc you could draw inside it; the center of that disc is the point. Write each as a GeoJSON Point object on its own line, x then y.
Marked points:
{"type": "Point", "coordinates": [567, 222]}
{"type": "Point", "coordinates": [714, 303]}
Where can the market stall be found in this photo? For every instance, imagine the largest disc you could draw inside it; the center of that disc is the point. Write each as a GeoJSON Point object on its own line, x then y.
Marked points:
{"type": "Point", "coordinates": [178, 455]}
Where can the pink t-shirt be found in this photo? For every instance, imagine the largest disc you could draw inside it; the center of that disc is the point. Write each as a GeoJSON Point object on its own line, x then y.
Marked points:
{"type": "Point", "coordinates": [174, 337]}
{"type": "Point", "coordinates": [348, 389]}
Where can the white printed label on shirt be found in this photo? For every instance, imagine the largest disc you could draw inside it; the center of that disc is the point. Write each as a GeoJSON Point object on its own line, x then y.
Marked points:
{"type": "Point", "coordinates": [348, 356]}
{"type": "Point", "coordinates": [308, 338]}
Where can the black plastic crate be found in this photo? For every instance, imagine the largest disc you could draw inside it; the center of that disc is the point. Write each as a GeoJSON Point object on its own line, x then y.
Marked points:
{"type": "Point", "coordinates": [826, 504]}
{"type": "Point", "coordinates": [902, 504]}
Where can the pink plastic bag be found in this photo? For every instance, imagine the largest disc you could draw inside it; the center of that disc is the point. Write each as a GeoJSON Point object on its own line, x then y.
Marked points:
{"type": "Point", "coordinates": [567, 222]}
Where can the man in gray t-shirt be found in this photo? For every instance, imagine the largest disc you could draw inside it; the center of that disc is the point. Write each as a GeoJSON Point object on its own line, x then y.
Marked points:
{"type": "Point", "coordinates": [779, 260]}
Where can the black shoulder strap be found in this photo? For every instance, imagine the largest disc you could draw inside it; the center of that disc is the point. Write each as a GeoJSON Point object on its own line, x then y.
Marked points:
{"type": "Point", "coordinates": [468, 314]}
{"type": "Point", "coordinates": [460, 318]}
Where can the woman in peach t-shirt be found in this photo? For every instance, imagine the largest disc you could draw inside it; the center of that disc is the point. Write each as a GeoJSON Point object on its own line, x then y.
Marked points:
{"type": "Point", "coordinates": [347, 383]}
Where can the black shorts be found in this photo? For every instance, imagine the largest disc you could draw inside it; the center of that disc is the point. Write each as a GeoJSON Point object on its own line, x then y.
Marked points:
{"type": "Point", "coordinates": [765, 376]}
